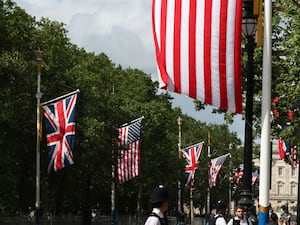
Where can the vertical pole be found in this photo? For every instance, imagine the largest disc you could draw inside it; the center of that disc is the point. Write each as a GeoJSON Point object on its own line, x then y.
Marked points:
{"type": "Point", "coordinates": [298, 197]}
{"type": "Point", "coordinates": [229, 196]}
{"type": "Point", "coordinates": [246, 194]}
{"type": "Point", "coordinates": [113, 185]}
{"type": "Point", "coordinates": [192, 204]}
{"type": "Point", "coordinates": [230, 208]}
{"type": "Point", "coordinates": [38, 55]}
{"type": "Point", "coordinates": [265, 154]}
{"type": "Point", "coordinates": [249, 116]}
{"type": "Point", "coordinates": [249, 28]}
{"type": "Point", "coordinates": [113, 188]}
{"type": "Point", "coordinates": [208, 188]}
{"type": "Point", "coordinates": [179, 122]}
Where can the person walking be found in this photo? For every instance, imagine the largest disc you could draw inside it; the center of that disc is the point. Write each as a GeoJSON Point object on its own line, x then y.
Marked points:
{"type": "Point", "coordinates": [221, 208]}
{"type": "Point", "coordinates": [273, 219]}
{"type": "Point", "coordinates": [240, 217]}
{"type": "Point", "coordinates": [159, 201]}
{"type": "Point", "coordinates": [282, 221]}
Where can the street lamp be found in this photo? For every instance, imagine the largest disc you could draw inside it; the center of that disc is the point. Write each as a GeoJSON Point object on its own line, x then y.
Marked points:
{"type": "Point", "coordinates": [249, 28]}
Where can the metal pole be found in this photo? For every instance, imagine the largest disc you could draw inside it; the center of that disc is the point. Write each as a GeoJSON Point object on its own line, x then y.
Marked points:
{"type": "Point", "coordinates": [230, 209]}
{"type": "Point", "coordinates": [265, 153]}
{"type": "Point", "coordinates": [38, 55]}
{"type": "Point", "coordinates": [113, 189]}
{"type": "Point", "coordinates": [113, 185]}
{"type": "Point", "coordinates": [247, 177]}
{"type": "Point", "coordinates": [179, 122]}
{"type": "Point", "coordinates": [192, 204]}
{"type": "Point", "coordinates": [208, 188]}
{"type": "Point", "coordinates": [208, 203]}
{"type": "Point", "coordinates": [298, 198]}
{"type": "Point", "coordinates": [246, 194]}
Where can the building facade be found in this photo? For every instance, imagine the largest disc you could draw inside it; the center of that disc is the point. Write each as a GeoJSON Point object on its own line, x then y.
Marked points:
{"type": "Point", "coordinates": [284, 184]}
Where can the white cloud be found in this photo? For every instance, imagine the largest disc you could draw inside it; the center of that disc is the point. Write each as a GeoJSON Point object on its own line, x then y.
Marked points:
{"type": "Point", "coordinates": [119, 28]}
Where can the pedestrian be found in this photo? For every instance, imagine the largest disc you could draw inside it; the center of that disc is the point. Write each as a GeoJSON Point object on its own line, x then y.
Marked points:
{"type": "Point", "coordinates": [219, 218]}
{"type": "Point", "coordinates": [240, 217]}
{"type": "Point", "coordinates": [159, 201]}
{"type": "Point", "coordinates": [282, 221]}
{"type": "Point", "coordinates": [273, 219]}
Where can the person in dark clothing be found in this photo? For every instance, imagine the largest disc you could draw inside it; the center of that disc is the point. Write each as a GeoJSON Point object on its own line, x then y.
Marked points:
{"type": "Point", "coordinates": [159, 200]}
{"type": "Point", "coordinates": [273, 219]}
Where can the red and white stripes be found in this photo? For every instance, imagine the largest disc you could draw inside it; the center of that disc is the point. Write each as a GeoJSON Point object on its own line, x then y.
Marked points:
{"type": "Point", "coordinates": [128, 162]}
{"type": "Point", "coordinates": [198, 49]}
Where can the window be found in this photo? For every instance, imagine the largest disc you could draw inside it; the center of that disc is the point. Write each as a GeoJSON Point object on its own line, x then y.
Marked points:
{"type": "Point", "coordinates": [293, 171]}
{"type": "Point", "coordinates": [280, 171]}
{"type": "Point", "coordinates": [293, 189]}
{"type": "Point", "coordinates": [280, 188]}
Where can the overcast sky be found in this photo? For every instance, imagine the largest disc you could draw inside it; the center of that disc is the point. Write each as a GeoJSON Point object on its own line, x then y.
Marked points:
{"type": "Point", "coordinates": [122, 30]}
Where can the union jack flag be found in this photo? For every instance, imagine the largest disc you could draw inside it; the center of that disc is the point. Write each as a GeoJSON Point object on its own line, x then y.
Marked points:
{"type": "Point", "coordinates": [215, 168]}
{"type": "Point", "coordinates": [191, 155]}
{"type": "Point", "coordinates": [128, 161]}
{"type": "Point", "coordinates": [60, 130]}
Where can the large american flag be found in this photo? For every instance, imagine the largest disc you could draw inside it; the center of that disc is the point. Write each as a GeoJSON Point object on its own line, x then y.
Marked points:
{"type": "Point", "coordinates": [215, 168]}
{"type": "Point", "coordinates": [198, 49]}
{"type": "Point", "coordinates": [60, 132]}
{"type": "Point", "coordinates": [191, 155]}
{"type": "Point", "coordinates": [128, 141]}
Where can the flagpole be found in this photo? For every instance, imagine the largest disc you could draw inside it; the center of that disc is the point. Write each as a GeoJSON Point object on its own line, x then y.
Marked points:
{"type": "Point", "coordinates": [60, 97]}
{"type": "Point", "coordinates": [179, 122]}
{"type": "Point", "coordinates": [230, 208]}
{"type": "Point", "coordinates": [265, 154]}
{"type": "Point", "coordinates": [38, 55]}
{"type": "Point", "coordinates": [113, 185]}
{"type": "Point", "coordinates": [208, 188]}
{"type": "Point", "coordinates": [113, 189]}
{"type": "Point", "coordinates": [192, 204]}
{"type": "Point", "coordinates": [193, 145]}
{"type": "Point", "coordinates": [133, 121]}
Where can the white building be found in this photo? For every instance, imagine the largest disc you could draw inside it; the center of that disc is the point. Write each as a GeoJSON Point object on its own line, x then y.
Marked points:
{"type": "Point", "coordinates": [284, 183]}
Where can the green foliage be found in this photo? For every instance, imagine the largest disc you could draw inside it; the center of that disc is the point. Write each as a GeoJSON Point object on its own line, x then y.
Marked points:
{"type": "Point", "coordinates": [285, 80]}
{"type": "Point", "coordinates": [109, 97]}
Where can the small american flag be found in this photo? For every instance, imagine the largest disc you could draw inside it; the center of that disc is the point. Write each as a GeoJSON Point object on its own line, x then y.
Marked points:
{"type": "Point", "coordinates": [294, 156]}
{"type": "Point", "coordinates": [254, 177]}
{"type": "Point", "coordinates": [128, 161]}
{"type": "Point", "coordinates": [215, 168]}
{"type": "Point", "coordinates": [191, 155]}
{"type": "Point", "coordinates": [60, 132]}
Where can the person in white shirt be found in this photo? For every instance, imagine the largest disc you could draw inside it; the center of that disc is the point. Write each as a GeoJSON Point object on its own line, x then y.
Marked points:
{"type": "Point", "coordinates": [159, 200]}
{"type": "Point", "coordinates": [221, 208]}
{"type": "Point", "coordinates": [240, 218]}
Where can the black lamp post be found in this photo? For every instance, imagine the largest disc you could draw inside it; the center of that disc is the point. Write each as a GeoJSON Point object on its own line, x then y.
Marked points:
{"type": "Point", "coordinates": [249, 28]}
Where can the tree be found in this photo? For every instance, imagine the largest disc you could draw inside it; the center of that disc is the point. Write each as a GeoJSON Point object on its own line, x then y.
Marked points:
{"type": "Point", "coordinates": [286, 70]}
{"type": "Point", "coordinates": [109, 97]}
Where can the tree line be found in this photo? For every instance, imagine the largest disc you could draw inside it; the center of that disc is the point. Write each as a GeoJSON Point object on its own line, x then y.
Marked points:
{"type": "Point", "coordinates": [109, 97]}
